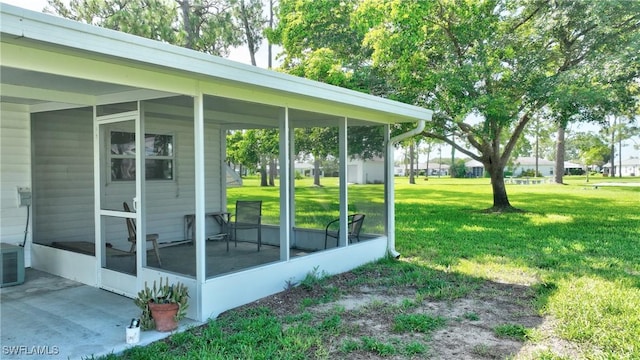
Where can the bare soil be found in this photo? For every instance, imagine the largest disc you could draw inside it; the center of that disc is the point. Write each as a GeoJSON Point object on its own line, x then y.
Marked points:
{"type": "Point", "coordinates": [468, 332]}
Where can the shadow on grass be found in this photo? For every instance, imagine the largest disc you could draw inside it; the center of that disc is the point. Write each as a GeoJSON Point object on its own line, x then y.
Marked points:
{"type": "Point", "coordinates": [568, 235]}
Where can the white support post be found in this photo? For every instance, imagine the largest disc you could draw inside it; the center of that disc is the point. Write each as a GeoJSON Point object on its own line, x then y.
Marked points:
{"type": "Point", "coordinates": [97, 197]}
{"type": "Point", "coordinates": [223, 170]}
{"type": "Point", "coordinates": [200, 195]}
{"type": "Point", "coordinates": [389, 189]}
{"type": "Point", "coordinates": [141, 211]}
{"type": "Point", "coordinates": [285, 186]}
{"type": "Point", "coordinates": [344, 198]}
{"type": "Point", "coordinates": [292, 185]}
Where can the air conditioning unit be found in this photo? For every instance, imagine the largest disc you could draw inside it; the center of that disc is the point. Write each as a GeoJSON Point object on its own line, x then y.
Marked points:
{"type": "Point", "coordinates": [11, 265]}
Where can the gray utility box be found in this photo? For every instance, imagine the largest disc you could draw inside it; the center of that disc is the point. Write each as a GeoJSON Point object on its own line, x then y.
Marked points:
{"type": "Point", "coordinates": [11, 265]}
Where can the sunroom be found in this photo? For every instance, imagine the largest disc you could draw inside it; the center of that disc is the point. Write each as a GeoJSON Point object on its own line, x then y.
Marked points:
{"type": "Point", "coordinates": [119, 138]}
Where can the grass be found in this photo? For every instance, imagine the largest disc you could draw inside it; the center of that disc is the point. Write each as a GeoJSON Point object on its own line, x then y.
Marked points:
{"type": "Point", "coordinates": [575, 247]}
{"type": "Point", "coordinates": [514, 331]}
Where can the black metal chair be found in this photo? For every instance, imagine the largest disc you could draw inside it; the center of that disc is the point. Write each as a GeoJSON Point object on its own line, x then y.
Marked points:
{"type": "Point", "coordinates": [354, 223]}
{"type": "Point", "coordinates": [248, 215]}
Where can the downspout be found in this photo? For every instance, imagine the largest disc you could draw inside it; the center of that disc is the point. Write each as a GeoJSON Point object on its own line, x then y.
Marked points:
{"type": "Point", "coordinates": [391, 209]}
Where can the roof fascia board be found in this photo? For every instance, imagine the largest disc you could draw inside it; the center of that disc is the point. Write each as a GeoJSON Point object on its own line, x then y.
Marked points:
{"type": "Point", "coordinates": [22, 23]}
{"type": "Point", "coordinates": [302, 102]}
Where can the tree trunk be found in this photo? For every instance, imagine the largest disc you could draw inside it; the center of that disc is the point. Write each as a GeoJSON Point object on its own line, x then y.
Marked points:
{"type": "Point", "coordinates": [452, 167]}
{"type": "Point", "coordinates": [587, 173]}
{"type": "Point", "coordinates": [426, 171]}
{"type": "Point", "coordinates": [619, 156]}
{"type": "Point", "coordinates": [263, 172]}
{"type": "Point", "coordinates": [272, 172]}
{"type": "Point", "coordinates": [247, 30]}
{"type": "Point", "coordinates": [316, 171]}
{"type": "Point", "coordinates": [537, 148]}
{"type": "Point", "coordinates": [500, 199]}
{"type": "Point", "coordinates": [269, 46]}
{"type": "Point", "coordinates": [559, 171]}
{"type": "Point", "coordinates": [412, 178]}
{"type": "Point", "coordinates": [612, 170]}
{"type": "Point", "coordinates": [185, 7]}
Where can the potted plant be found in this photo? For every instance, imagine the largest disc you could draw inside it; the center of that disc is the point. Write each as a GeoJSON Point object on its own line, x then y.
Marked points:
{"type": "Point", "coordinates": [163, 305]}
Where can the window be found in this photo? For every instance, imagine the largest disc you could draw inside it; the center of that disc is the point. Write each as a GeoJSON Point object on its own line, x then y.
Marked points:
{"type": "Point", "coordinates": [159, 156]}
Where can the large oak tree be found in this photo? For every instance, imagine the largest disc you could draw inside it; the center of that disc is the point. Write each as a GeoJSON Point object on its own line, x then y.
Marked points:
{"type": "Point", "coordinates": [487, 67]}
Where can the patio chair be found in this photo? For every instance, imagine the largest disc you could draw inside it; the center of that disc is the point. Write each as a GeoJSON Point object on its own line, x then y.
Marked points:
{"type": "Point", "coordinates": [354, 223]}
{"type": "Point", "coordinates": [131, 228]}
{"type": "Point", "coordinates": [248, 216]}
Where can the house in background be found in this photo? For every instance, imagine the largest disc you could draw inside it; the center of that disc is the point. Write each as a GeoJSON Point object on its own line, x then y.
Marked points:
{"type": "Point", "coordinates": [370, 171]}
{"type": "Point", "coordinates": [524, 165]}
{"type": "Point", "coordinates": [306, 169]}
{"type": "Point", "coordinates": [93, 118]}
{"type": "Point", "coordinates": [629, 167]}
{"type": "Point", "coordinates": [359, 171]}
{"type": "Point", "coordinates": [528, 164]}
{"type": "Point", "coordinates": [431, 169]}
{"type": "Point", "coordinates": [474, 168]}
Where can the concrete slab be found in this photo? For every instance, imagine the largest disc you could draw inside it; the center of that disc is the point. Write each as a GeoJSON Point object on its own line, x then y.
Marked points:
{"type": "Point", "coordinates": [63, 319]}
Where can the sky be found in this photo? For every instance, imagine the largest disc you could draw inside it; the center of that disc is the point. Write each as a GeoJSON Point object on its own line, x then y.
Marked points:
{"type": "Point", "coordinates": [242, 55]}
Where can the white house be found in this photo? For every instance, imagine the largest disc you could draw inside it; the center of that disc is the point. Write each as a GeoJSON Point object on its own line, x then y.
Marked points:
{"type": "Point", "coordinates": [528, 163]}
{"type": "Point", "coordinates": [630, 167]}
{"type": "Point", "coordinates": [370, 171]}
{"type": "Point", "coordinates": [433, 169]}
{"type": "Point", "coordinates": [92, 118]}
{"type": "Point", "coordinates": [521, 165]}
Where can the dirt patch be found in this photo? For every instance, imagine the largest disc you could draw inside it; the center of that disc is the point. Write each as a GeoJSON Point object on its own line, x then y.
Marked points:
{"type": "Point", "coordinates": [469, 321]}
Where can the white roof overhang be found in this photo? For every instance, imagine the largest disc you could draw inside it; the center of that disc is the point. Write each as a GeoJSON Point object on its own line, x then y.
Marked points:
{"type": "Point", "coordinates": [49, 62]}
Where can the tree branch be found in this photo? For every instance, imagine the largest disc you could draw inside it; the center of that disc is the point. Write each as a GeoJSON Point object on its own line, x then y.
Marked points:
{"type": "Point", "coordinates": [517, 132]}
{"type": "Point", "coordinates": [526, 19]}
{"type": "Point", "coordinates": [452, 144]}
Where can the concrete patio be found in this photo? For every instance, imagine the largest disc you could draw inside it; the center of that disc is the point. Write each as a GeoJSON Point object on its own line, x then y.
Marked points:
{"type": "Point", "coordinates": [49, 317]}
{"type": "Point", "coordinates": [55, 318]}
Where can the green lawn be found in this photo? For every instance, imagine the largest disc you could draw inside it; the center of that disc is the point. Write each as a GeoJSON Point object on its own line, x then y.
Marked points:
{"type": "Point", "coordinates": [577, 248]}
{"type": "Point", "coordinates": [581, 243]}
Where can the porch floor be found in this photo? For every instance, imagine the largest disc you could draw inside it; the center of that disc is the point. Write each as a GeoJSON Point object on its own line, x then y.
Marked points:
{"type": "Point", "coordinates": [180, 258]}
{"type": "Point", "coordinates": [55, 318]}
{"type": "Point", "coordinates": [64, 319]}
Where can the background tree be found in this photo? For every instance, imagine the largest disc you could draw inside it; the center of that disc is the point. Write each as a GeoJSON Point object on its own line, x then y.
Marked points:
{"type": "Point", "coordinates": [153, 19]}
{"type": "Point", "coordinates": [319, 142]}
{"type": "Point", "coordinates": [615, 131]}
{"type": "Point", "coordinates": [251, 23]}
{"type": "Point", "coordinates": [591, 150]}
{"type": "Point", "coordinates": [202, 25]}
{"type": "Point", "coordinates": [234, 150]}
{"type": "Point", "coordinates": [208, 26]}
{"type": "Point", "coordinates": [500, 61]}
{"type": "Point", "coordinates": [266, 143]}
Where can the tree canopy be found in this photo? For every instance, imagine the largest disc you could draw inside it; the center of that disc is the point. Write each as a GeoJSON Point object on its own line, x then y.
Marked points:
{"type": "Point", "coordinates": [486, 67]}
{"type": "Point", "coordinates": [211, 26]}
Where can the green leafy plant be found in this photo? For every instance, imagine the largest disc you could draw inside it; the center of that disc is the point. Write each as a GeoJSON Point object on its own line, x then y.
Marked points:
{"type": "Point", "coordinates": [313, 278]}
{"type": "Point", "coordinates": [161, 293]}
{"type": "Point", "coordinates": [514, 331]}
{"type": "Point", "coordinates": [417, 322]}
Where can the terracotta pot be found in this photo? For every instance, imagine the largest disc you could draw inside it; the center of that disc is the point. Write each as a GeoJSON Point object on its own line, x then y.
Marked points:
{"type": "Point", "coordinates": [164, 316]}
